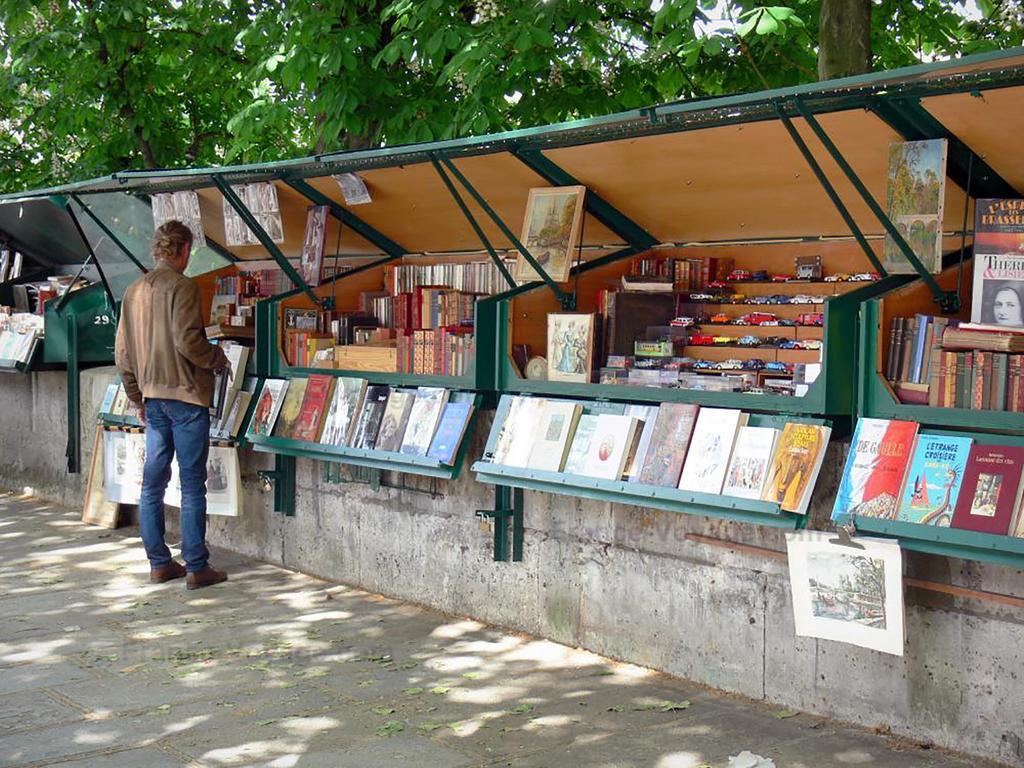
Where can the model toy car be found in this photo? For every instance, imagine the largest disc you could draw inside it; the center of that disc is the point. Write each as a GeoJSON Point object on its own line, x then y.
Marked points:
{"type": "Point", "coordinates": [700, 340]}
{"type": "Point", "coordinates": [730, 365]}
{"type": "Point", "coordinates": [749, 341]}
{"type": "Point", "coordinates": [759, 300]}
{"type": "Point", "coordinates": [872, 276]}
{"type": "Point", "coordinates": [781, 278]}
{"type": "Point", "coordinates": [683, 322]}
{"type": "Point", "coordinates": [737, 298]}
{"type": "Point", "coordinates": [837, 278]}
{"type": "Point", "coordinates": [702, 297]}
{"type": "Point", "coordinates": [776, 367]}
{"type": "Point", "coordinates": [809, 344]}
{"type": "Point", "coordinates": [718, 284]}
{"type": "Point", "coordinates": [720, 319]}
{"type": "Point", "coordinates": [754, 364]}
{"type": "Point", "coordinates": [787, 323]}
{"type": "Point", "coordinates": [755, 318]}
{"type": "Point", "coordinates": [779, 298]}
{"type": "Point", "coordinates": [704, 365]}
{"type": "Point", "coordinates": [760, 275]}
{"type": "Point", "coordinates": [724, 339]}
{"type": "Point", "coordinates": [811, 318]}
{"type": "Point", "coordinates": [789, 344]}
{"type": "Point", "coordinates": [738, 275]}
{"type": "Point", "coordinates": [804, 298]}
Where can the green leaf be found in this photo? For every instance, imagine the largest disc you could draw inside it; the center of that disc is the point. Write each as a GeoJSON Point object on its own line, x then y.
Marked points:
{"type": "Point", "coordinates": [767, 24]}
{"type": "Point", "coordinates": [412, 691]}
{"type": "Point", "coordinates": [384, 711]}
{"type": "Point", "coordinates": [390, 728]}
{"type": "Point", "coordinates": [783, 714]}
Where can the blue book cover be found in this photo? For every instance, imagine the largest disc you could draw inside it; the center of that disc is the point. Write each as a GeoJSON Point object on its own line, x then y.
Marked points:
{"type": "Point", "coordinates": [917, 362]}
{"type": "Point", "coordinates": [934, 478]}
{"type": "Point", "coordinates": [108, 399]}
{"type": "Point", "coordinates": [449, 432]}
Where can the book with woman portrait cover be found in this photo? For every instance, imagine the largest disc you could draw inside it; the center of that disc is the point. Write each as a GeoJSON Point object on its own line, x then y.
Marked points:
{"type": "Point", "coordinates": [998, 294]}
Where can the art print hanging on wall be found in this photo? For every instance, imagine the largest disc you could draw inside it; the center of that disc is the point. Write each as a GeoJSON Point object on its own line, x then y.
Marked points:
{"type": "Point", "coordinates": [916, 192]}
{"type": "Point", "coordinates": [261, 200]}
{"type": "Point", "coordinates": [570, 346]}
{"type": "Point", "coordinates": [181, 206]}
{"type": "Point", "coordinates": [851, 594]}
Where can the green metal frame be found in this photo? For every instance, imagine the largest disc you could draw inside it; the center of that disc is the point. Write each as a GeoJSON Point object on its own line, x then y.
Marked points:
{"type": "Point", "coordinates": [670, 499]}
{"type": "Point", "coordinates": [359, 457]}
{"type": "Point", "coordinates": [107, 231]}
{"type": "Point", "coordinates": [832, 394]}
{"type": "Point", "coordinates": [951, 542]}
{"type": "Point", "coordinates": [507, 519]}
{"type": "Point", "coordinates": [283, 478]}
{"type": "Point", "coordinates": [876, 400]}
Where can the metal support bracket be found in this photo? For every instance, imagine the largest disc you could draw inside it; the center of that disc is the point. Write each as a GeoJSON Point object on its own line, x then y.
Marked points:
{"type": "Point", "coordinates": [484, 240]}
{"type": "Point", "coordinates": [250, 221]}
{"type": "Point", "coordinates": [949, 301]}
{"type": "Point", "coordinates": [507, 513]}
{"type": "Point", "coordinates": [106, 231]}
{"type": "Point", "coordinates": [112, 302]}
{"type": "Point", "coordinates": [282, 477]}
{"type": "Point", "coordinates": [837, 201]}
{"type": "Point", "coordinates": [73, 451]}
{"type": "Point", "coordinates": [567, 300]}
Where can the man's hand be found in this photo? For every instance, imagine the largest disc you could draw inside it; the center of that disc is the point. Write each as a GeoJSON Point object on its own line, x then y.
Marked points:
{"type": "Point", "coordinates": [142, 412]}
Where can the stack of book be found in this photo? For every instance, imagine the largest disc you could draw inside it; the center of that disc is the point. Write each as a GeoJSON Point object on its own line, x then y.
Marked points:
{"type": "Point", "coordinates": [895, 473]}
{"type": "Point", "coordinates": [704, 450]}
{"type": "Point", "coordinates": [18, 335]}
{"type": "Point", "coordinates": [443, 352]}
{"type": "Point", "coordinates": [469, 277]}
{"type": "Point", "coordinates": [349, 412]}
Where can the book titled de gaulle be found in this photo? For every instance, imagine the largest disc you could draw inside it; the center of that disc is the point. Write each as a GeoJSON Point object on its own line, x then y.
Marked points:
{"type": "Point", "coordinates": [874, 470]}
{"type": "Point", "coordinates": [991, 490]}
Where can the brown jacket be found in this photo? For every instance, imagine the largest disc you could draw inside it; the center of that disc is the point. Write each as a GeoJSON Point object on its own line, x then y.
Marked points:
{"type": "Point", "coordinates": [161, 349]}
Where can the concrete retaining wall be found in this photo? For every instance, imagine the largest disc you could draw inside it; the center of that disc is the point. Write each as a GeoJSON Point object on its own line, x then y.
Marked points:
{"type": "Point", "coordinates": [628, 582]}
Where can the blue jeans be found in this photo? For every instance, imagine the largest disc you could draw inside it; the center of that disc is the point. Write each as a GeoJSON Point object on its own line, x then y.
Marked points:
{"type": "Point", "coordinates": [174, 427]}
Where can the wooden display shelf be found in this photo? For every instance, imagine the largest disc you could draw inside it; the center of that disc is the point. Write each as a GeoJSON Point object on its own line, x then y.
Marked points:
{"type": "Point", "coordinates": [239, 332]}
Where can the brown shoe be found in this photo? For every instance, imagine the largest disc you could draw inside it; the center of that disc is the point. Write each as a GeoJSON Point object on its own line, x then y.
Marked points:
{"type": "Point", "coordinates": [204, 578]}
{"type": "Point", "coordinates": [173, 570]}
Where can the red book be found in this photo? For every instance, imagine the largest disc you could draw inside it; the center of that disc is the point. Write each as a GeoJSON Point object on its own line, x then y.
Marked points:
{"type": "Point", "coordinates": [314, 407]}
{"type": "Point", "coordinates": [990, 493]}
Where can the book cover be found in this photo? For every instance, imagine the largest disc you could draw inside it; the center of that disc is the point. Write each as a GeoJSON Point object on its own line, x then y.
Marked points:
{"type": "Point", "coordinates": [450, 431]}
{"type": "Point", "coordinates": [268, 406]}
{"type": "Point", "coordinates": [120, 405]}
{"type": "Point", "coordinates": [710, 448]}
{"type": "Point", "coordinates": [795, 464]}
{"type": "Point", "coordinates": [236, 415]}
{"type": "Point", "coordinates": [291, 407]}
{"type": "Point", "coordinates": [873, 474]}
{"type": "Point", "coordinates": [647, 416]}
{"type": "Point", "coordinates": [515, 441]}
{"type": "Point", "coordinates": [314, 406]}
{"type": "Point", "coordinates": [666, 453]}
{"type": "Point", "coordinates": [575, 460]}
{"type": "Point", "coordinates": [374, 402]}
{"type": "Point", "coordinates": [341, 415]}
{"type": "Point", "coordinates": [748, 465]}
{"type": "Point", "coordinates": [998, 290]}
{"type": "Point", "coordinates": [557, 425]}
{"type": "Point", "coordinates": [393, 423]}
{"type": "Point", "coordinates": [915, 196]}
{"type": "Point", "coordinates": [991, 489]}
{"type": "Point", "coordinates": [611, 443]}
{"type": "Point", "coordinates": [428, 404]}
{"type": "Point", "coordinates": [933, 480]}
{"type": "Point", "coordinates": [108, 398]}
{"type": "Point", "coordinates": [920, 339]}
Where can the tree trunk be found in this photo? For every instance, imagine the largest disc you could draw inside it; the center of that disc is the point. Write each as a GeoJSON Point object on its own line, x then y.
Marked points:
{"type": "Point", "coordinates": [844, 38]}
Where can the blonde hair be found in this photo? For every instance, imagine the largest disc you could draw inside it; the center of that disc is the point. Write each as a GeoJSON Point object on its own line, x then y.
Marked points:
{"type": "Point", "coordinates": [169, 239]}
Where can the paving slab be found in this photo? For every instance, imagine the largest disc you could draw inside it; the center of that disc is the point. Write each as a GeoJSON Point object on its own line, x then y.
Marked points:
{"type": "Point", "coordinates": [100, 669]}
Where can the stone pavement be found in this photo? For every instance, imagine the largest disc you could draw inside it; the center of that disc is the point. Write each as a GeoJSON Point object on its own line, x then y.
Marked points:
{"type": "Point", "coordinates": [100, 669]}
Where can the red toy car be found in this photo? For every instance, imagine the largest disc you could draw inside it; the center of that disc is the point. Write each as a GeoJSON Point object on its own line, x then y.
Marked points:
{"type": "Point", "coordinates": [738, 275]}
{"type": "Point", "coordinates": [701, 340]}
{"type": "Point", "coordinates": [811, 318]}
{"type": "Point", "coordinates": [781, 278]}
{"type": "Point", "coordinates": [757, 318]}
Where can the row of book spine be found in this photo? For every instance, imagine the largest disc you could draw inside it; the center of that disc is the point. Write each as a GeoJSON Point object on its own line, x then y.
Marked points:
{"type": "Point", "coordinates": [470, 277]}
{"type": "Point", "coordinates": [914, 343]}
{"type": "Point", "coordinates": [436, 352]}
{"type": "Point", "coordinates": [978, 380]}
{"type": "Point", "coordinates": [301, 347]}
{"type": "Point", "coordinates": [427, 307]}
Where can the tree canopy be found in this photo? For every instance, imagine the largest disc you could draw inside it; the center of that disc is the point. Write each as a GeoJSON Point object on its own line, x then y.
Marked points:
{"type": "Point", "coordinates": [94, 86]}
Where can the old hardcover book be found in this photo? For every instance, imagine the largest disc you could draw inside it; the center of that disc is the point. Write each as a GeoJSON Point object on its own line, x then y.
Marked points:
{"type": "Point", "coordinates": [896, 350]}
{"type": "Point", "coordinates": [710, 448]}
{"type": "Point", "coordinates": [990, 494]}
{"type": "Point", "coordinates": [748, 465]}
{"type": "Point", "coordinates": [395, 420]}
{"type": "Point", "coordinates": [647, 415]}
{"type": "Point", "coordinates": [875, 467]}
{"type": "Point", "coordinates": [515, 441]}
{"type": "Point", "coordinates": [663, 462]}
{"type": "Point", "coordinates": [557, 426]}
{"type": "Point", "coordinates": [909, 343]}
{"type": "Point", "coordinates": [268, 406]}
{"type": "Point", "coordinates": [451, 430]}
{"type": "Point", "coordinates": [342, 414]}
{"type": "Point", "coordinates": [315, 403]}
{"type": "Point", "coordinates": [795, 464]}
{"type": "Point", "coordinates": [291, 408]}
{"type": "Point", "coordinates": [933, 480]}
{"type": "Point", "coordinates": [611, 444]}
{"type": "Point", "coordinates": [368, 424]}
{"type": "Point", "coordinates": [233, 424]}
{"type": "Point", "coordinates": [997, 390]}
{"type": "Point", "coordinates": [427, 406]}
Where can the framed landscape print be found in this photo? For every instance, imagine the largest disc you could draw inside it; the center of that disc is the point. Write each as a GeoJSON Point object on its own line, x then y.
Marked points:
{"type": "Point", "coordinates": [916, 192]}
{"type": "Point", "coordinates": [551, 231]}
{"type": "Point", "coordinates": [851, 594]}
{"type": "Point", "coordinates": [570, 346]}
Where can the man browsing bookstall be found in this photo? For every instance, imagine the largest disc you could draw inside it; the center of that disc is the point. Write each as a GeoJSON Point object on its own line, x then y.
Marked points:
{"type": "Point", "coordinates": [167, 367]}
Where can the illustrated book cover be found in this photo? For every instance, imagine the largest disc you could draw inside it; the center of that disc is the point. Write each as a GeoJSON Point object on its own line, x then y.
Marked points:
{"type": "Point", "coordinates": [710, 447]}
{"type": "Point", "coordinates": [848, 594]}
{"type": "Point", "coordinates": [991, 490]}
{"type": "Point", "coordinates": [647, 416]}
{"type": "Point", "coordinates": [450, 430]}
{"type": "Point", "coordinates": [427, 406]}
{"type": "Point", "coordinates": [933, 481]}
{"type": "Point", "coordinates": [997, 297]}
{"type": "Point", "coordinates": [393, 423]}
{"type": "Point", "coordinates": [291, 407]}
{"type": "Point", "coordinates": [515, 441]}
{"type": "Point", "coordinates": [611, 446]}
{"type": "Point", "coordinates": [108, 399]}
{"type": "Point", "coordinates": [341, 415]}
{"type": "Point", "coordinates": [875, 467]}
{"type": "Point", "coordinates": [314, 406]}
{"type": "Point", "coordinates": [666, 453]}
{"type": "Point", "coordinates": [557, 425]}
{"type": "Point", "coordinates": [748, 466]}
{"type": "Point", "coordinates": [268, 406]}
{"type": "Point", "coordinates": [579, 445]}
{"type": "Point", "coordinates": [374, 402]}
{"type": "Point", "coordinates": [795, 464]}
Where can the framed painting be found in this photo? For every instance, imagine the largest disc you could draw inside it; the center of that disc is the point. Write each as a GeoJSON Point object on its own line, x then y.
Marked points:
{"type": "Point", "coordinates": [915, 195]}
{"type": "Point", "coordinates": [570, 346]}
{"type": "Point", "coordinates": [96, 510]}
{"type": "Point", "coordinates": [551, 231]}
{"type": "Point", "coordinates": [311, 265]}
